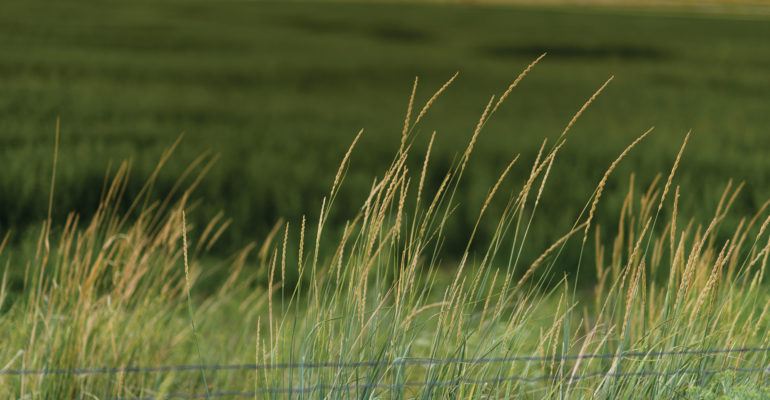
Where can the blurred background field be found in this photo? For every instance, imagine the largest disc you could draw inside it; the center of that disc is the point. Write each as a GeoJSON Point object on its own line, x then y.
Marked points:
{"type": "Point", "coordinates": [279, 90]}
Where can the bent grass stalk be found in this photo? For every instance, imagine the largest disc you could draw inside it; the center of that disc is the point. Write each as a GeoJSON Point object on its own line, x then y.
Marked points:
{"type": "Point", "coordinates": [189, 303]}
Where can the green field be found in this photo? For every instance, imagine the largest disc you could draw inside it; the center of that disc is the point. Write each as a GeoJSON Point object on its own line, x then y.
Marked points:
{"type": "Point", "coordinates": [613, 264]}
{"type": "Point", "coordinates": [279, 90]}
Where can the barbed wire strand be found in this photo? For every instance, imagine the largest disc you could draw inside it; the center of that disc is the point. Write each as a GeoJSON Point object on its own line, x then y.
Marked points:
{"type": "Point", "coordinates": [360, 364]}
{"type": "Point", "coordinates": [379, 386]}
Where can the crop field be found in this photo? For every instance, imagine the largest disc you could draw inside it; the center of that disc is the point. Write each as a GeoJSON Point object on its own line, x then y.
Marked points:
{"type": "Point", "coordinates": [370, 200]}
{"type": "Point", "coordinates": [279, 90]}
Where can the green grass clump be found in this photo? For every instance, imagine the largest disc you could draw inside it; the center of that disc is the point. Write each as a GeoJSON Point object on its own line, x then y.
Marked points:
{"type": "Point", "coordinates": [723, 387]}
{"type": "Point", "coordinates": [115, 291]}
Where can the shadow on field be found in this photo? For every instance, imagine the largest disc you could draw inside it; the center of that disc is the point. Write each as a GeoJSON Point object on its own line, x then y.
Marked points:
{"type": "Point", "coordinates": [382, 32]}
{"type": "Point", "coordinates": [566, 52]}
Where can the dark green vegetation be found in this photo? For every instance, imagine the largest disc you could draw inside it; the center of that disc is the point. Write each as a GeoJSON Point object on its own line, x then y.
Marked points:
{"type": "Point", "coordinates": [279, 91]}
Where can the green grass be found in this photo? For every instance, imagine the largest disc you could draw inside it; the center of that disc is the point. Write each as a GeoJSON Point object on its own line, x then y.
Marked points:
{"type": "Point", "coordinates": [278, 91]}
{"type": "Point", "coordinates": [115, 290]}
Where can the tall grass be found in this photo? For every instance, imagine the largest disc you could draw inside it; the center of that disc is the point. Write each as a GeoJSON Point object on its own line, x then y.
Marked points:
{"type": "Point", "coordinates": [373, 309]}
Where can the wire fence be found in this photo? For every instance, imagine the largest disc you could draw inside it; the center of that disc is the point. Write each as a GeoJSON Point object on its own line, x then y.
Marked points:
{"type": "Point", "coordinates": [364, 364]}
{"type": "Point", "coordinates": [571, 377]}
{"type": "Point", "coordinates": [363, 386]}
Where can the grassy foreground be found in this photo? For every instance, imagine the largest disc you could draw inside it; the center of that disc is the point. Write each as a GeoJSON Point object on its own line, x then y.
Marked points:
{"type": "Point", "coordinates": [115, 291]}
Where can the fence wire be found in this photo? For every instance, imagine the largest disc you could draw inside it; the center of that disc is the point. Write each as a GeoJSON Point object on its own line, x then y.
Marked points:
{"type": "Point", "coordinates": [378, 386]}
{"type": "Point", "coordinates": [328, 388]}
{"type": "Point", "coordinates": [368, 364]}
